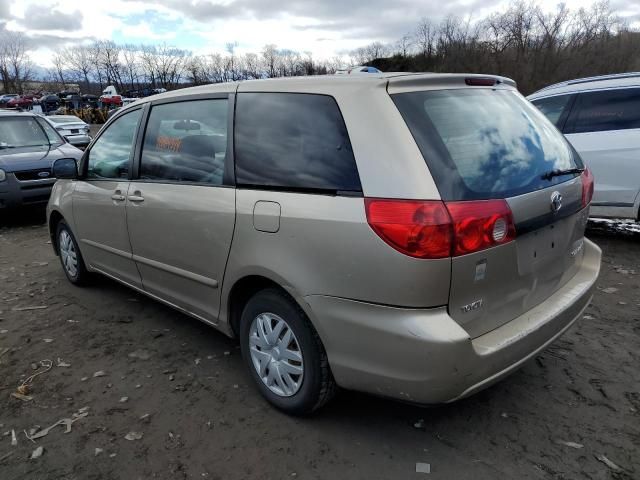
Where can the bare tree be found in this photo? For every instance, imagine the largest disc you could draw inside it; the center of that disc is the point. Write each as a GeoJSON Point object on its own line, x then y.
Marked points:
{"type": "Point", "coordinates": [16, 66]}
{"type": "Point", "coordinates": [58, 62]}
{"type": "Point", "coordinates": [424, 37]}
{"type": "Point", "coordinates": [270, 55]}
{"type": "Point", "coordinates": [404, 45]}
{"type": "Point", "coordinates": [79, 60]}
{"type": "Point", "coordinates": [131, 65]}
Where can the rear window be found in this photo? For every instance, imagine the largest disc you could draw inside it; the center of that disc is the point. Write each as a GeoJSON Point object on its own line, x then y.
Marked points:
{"type": "Point", "coordinates": [293, 141]}
{"type": "Point", "coordinates": [605, 110]}
{"type": "Point", "coordinates": [64, 119]}
{"type": "Point", "coordinates": [485, 143]}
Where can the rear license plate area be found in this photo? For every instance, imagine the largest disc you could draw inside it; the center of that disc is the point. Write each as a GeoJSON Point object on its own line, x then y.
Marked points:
{"type": "Point", "coordinates": [542, 246]}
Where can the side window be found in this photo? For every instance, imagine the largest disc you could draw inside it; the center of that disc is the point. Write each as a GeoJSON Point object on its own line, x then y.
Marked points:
{"type": "Point", "coordinates": [293, 141]}
{"type": "Point", "coordinates": [605, 110]}
{"type": "Point", "coordinates": [552, 107]}
{"type": "Point", "coordinates": [186, 142]}
{"type": "Point", "coordinates": [109, 155]}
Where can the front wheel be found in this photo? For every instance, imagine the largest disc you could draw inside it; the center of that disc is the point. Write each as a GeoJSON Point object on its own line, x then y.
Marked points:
{"type": "Point", "coordinates": [284, 354]}
{"type": "Point", "coordinates": [70, 256]}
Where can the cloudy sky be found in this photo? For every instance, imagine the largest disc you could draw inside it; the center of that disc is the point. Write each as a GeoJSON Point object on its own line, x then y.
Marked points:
{"type": "Point", "coordinates": [323, 27]}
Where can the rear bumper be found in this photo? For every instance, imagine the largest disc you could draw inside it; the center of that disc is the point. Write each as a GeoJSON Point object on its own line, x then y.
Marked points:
{"type": "Point", "coordinates": [14, 193]}
{"type": "Point", "coordinates": [424, 356]}
{"type": "Point", "coordinates": [78, 140]}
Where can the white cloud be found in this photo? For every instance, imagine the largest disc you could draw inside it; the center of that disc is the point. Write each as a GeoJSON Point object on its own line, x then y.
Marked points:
{"type": "Point", "coordinates": [323, 27]}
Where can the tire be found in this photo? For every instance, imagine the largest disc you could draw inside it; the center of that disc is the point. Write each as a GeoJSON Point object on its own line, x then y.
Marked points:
{"type": "Point", "coordinates": [294, 394]}
{"type": "Point", "coordinates": [69, 253]}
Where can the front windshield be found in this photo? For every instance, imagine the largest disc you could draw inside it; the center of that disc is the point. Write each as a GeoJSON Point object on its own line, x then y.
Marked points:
{"type": "Point", "coordinates": [18, 132]}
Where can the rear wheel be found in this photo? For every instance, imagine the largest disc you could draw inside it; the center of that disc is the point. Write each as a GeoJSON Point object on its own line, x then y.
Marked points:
{"type": "Point", "coordinates": [70, 256]}
{"type": "Point", "coordinates": [284, 354]}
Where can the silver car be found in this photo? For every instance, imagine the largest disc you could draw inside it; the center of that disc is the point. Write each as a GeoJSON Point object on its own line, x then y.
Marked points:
{"type": "Point", "coordinates": [600, 116]}
{"type": "Point", "coordinates": [72, 128]}
{"type": "Point", "coordinates": [417, 236]}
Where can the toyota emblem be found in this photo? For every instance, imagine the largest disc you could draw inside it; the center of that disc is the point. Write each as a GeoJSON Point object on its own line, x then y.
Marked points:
{"type": "Point", "coordinates": [556, 202]}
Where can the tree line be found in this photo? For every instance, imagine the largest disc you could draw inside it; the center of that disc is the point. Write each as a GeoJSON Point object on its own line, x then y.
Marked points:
{"type": "Point", "coordinates": [532, 46]}
{"type": "Point", "coordinates": [525, 43]}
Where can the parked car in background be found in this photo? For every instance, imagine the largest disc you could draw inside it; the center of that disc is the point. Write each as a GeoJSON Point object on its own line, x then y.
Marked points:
{"type": "Point", "coordinates": [5, 98]}
{"type": "Point", "coordinates": [89, 100]}
{"type": "Point", "coordinates": [413, 236]}
{"type": "Point", "coordinates": [49, 102]}
{"type": "Point", "coordinates": [28, 147]}
{"type": "Point", "coordinates": [72, 128]}
{"type": "Point", "coordinates": [357, 70]}
{"type": "Point", "coordinates": [600, 116]}
{"type": "Point", "coordinates": [22, 101]}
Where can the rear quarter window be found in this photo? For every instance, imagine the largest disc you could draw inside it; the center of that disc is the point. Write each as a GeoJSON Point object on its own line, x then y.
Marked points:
{"type": "Point", "coordinates": [553, 107]}
{"type": "Point", "coordinates": [293, 141]}
{"type": "Point", "coordinates": [485, 143]}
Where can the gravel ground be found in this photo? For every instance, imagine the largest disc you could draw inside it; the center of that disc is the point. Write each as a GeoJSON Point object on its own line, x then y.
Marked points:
{"type": "Point", "coordinates": [572, 413]}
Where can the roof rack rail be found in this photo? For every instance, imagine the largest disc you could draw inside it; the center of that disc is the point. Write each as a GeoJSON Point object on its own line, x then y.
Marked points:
{"type": "Point", "coordinates": [598, 78]}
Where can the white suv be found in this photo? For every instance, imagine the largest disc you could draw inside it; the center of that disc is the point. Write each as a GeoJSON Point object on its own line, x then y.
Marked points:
{"type": "Point", "coordinates": [600, 116]}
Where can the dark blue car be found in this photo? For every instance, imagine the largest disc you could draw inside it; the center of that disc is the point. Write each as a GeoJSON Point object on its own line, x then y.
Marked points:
{"type": "Point", "coordinates": [28, 148]}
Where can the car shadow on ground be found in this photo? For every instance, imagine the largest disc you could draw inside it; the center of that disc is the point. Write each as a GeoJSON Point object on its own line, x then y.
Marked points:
{"type": "Point", "coordinates": [23, 217]}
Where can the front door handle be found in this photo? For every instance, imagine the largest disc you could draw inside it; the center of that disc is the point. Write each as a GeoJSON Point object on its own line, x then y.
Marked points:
{"type": "Point", "coordinates": [117, 196]}
{"type": "Point", "coordinates": [136, 197]}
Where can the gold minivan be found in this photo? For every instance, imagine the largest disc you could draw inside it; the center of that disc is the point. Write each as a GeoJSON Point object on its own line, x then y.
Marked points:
{"type": "Point", "coordinates": [414, 236]}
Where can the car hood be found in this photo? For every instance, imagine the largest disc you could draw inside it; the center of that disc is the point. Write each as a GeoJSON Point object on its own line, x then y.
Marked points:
{"type": "Point", "coordinates": [31, 158]}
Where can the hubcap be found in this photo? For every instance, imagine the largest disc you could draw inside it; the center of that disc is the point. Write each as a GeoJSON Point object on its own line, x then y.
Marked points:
{"type": "Point", "coordinates": [68, 254]}
{"type": "Point", "coordinates": [276, 354]}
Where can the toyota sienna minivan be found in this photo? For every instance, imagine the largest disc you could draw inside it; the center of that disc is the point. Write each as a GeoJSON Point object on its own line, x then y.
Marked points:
{"type": "Point", "coordinates": [414, 236]}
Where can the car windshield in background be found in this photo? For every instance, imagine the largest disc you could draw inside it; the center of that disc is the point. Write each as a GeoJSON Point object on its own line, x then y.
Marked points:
{"type": "Point", "coordinates": [21, 132]}
{"type": "Point", "coordinates": [485, 143]}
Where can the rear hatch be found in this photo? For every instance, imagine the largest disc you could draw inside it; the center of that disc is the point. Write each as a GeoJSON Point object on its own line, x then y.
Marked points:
{"type": "Point", "coordinates": [486, 146]}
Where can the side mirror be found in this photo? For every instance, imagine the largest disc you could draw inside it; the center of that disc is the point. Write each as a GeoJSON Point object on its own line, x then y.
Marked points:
{"type": "Point", "coordinates": [65, 168]}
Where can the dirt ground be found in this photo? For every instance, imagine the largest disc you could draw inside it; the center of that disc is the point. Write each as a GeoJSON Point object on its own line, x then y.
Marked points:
{"type": "Point", "coordinates": [189, 398]}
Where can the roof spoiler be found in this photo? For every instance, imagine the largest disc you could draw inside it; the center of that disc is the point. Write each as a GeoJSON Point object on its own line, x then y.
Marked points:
{"type": "Point", "coordinates": [407, 83]}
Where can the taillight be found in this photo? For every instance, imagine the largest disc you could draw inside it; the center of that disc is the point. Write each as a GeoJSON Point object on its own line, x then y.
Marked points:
{"type": "Point", "coordinates": [420, 229]}
{"type": "Point", "coordinates": [587, 187]}
{"type": "Point", "coordinates": [433, 229]}
{"type": "Point", "coordinates": [480, 81]}
{"type": "Point", "coordinates": [480, 224]}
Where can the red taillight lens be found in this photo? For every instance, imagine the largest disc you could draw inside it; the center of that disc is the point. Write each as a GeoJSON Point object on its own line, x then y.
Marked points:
{"type": "Point", "coordinates": [480, 224]}
{"type": "Point", "coordinates": [433, 229]}
{"type": "Point", "coordinates": [420, 229]}
{"type": "Point", "coordinates": [587, 187]}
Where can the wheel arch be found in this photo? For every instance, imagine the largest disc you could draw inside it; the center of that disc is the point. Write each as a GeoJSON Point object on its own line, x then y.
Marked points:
{"type": "Point", "coordinates": [54, 219]}
{"type": "Point", "coordinates": [245, 286]}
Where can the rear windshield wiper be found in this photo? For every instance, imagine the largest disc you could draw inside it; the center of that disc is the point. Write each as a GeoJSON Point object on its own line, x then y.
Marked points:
{"type": "Point", "coordinates": [557, 173]}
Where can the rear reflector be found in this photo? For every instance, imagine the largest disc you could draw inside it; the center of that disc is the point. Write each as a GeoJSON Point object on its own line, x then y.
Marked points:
{"type": "Point", "coordinates": [480, 224]}
{"type": "Point", "coordinates": [433, 229]}
{"type": "Point", "coordinates": [480, 82]}
{"type": "Point", "coordinates": [587, 187]}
